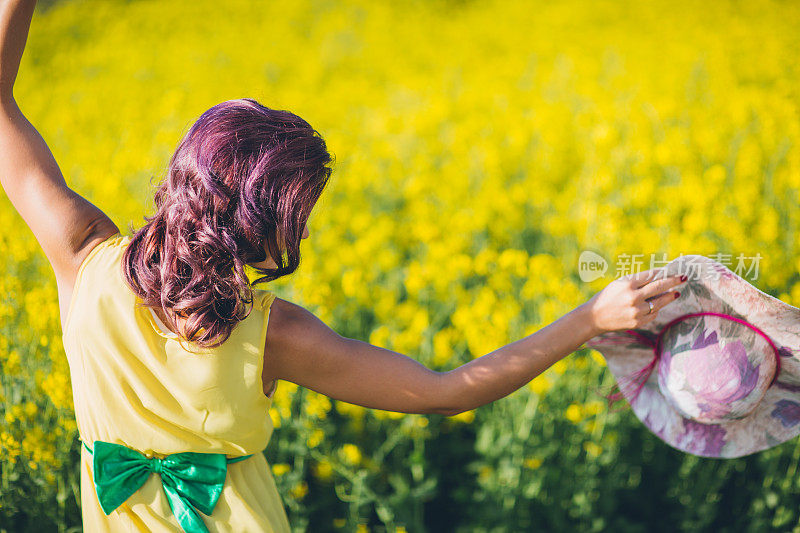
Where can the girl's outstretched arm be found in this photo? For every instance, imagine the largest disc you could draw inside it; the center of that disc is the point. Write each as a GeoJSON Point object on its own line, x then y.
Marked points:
{"type": "Point", "coordinates": [620, 305]}
{"type": "Point", "coordinates": [302, 349]}
{"type": "Point", "coordinates": [66, 225]}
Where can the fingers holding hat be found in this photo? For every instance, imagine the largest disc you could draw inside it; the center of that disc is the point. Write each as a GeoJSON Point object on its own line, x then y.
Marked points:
{"type": "Point", "coordinates": [640, 279]}
{"type": "Point", "coordinates": [623, 304]}
{"type": "Point", "coordinates": [659, 286]}
{"type": "Point", "coordinates": [655, 295]}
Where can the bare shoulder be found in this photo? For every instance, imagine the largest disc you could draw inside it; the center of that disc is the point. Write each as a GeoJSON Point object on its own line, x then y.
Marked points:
{"type": "Point", "coordinates": [295, 338]}
{"type": "Point", "coordinates": [285, 318]}
{"type": "Point", "coordinates": [292, 327]}
{"type": "Point", "coordinates": [66, 277]}
{"type": "Point", "coordinates": [302, 350]}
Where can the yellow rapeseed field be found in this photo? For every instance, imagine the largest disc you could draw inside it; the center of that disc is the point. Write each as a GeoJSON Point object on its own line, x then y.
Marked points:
{"type": "Point", "coordinates": [480, 148]}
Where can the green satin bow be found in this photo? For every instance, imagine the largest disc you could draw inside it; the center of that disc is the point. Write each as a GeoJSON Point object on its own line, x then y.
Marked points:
{"type": "Point", "coordinates": [189, 479]}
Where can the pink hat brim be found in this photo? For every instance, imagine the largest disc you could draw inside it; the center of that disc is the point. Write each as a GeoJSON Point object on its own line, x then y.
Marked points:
{"type": "Point", "coordinates": [712, 287]}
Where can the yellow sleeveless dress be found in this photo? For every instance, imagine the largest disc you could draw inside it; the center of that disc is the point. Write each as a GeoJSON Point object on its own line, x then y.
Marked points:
{"type": "Point", "coordinates": [135, 383]}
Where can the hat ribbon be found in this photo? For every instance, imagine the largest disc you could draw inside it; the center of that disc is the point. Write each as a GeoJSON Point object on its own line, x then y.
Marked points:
{"type": "Point", "coordinates": [640, 378]}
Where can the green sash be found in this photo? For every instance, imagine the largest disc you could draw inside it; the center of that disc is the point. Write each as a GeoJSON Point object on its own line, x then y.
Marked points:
{"type": "Point", "coordinates": [189, 479]}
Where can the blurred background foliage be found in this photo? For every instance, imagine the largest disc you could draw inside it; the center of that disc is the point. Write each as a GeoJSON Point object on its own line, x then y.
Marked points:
{"type": "Point", "coordinates": [480, 147]}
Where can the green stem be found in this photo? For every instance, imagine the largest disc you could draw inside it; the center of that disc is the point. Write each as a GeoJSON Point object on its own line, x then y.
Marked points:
{"type": "Point", "coordinates": [518, 449]}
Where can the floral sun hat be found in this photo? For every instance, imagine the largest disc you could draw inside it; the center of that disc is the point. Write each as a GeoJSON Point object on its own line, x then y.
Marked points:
{"type": "Point", "coordinates": [717, 372]}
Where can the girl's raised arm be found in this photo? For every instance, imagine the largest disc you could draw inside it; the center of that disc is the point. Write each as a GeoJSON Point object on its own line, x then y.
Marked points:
{"type": "Point", "coordinates": [15, 20]}
{"type": "Point", "coordinates": [66, 225]}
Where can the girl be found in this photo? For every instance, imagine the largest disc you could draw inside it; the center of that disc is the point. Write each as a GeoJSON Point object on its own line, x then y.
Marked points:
{"type": "Point", "coordinates": [174, 355]}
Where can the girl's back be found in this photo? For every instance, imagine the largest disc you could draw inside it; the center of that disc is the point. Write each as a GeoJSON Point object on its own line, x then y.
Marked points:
{"type": "Point", "coordinates": [140, 386]}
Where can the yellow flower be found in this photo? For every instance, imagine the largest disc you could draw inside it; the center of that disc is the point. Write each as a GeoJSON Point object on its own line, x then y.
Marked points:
{"type": "Point", "coordinates": [574, 413]}
{"type": "Point", "coordinates": [315, 438]}
{"type": "Point", "coordinates": [532, 463]}
{"type": "Point", "coordinates": [317, 405]}
{"type": "Point", "coordinates": [12, 366]}
{"type": "Point", "coordinates": [10, 445]}
{"type": "Point", "coordinates": [466, 416]}
{"type": "Point", "coordinates": [352, 283]}
{"type": "Point", "coordinates": [560, 366]}
{"type": "Point", "coordinates": [442, 347]}
{"type": "Point", "coordinates": [540, 384]}
{"type": "Point", "coordinates": [299, 490]}
{"type": "Point", "coordinates": [57, 387]}
{"type": "Point", "coordinates": [380, 414]}
{"type": "Point", "coordinates": [350, 453]}
{"type": "Point", "coordinates": [69, 425]}
{"type": "Point", "coordinates": [352, 410]}
{"type": "Point", "coordinates": [323, 470]}
{"type": "Point", "coordinates": [379, 336]}
{"type": "Point", "coordinates": [280, 468]}
{"type": "Point", "coordinates": [594, 407]}
{"type": "Point", "coordinates": [592, 449]}
{"type": "Point", "coordinates": [598, 357]}
{"type": "Point", "coordinates": [30, 409]}
{"type": "Point", "coordinates": [276, 418]}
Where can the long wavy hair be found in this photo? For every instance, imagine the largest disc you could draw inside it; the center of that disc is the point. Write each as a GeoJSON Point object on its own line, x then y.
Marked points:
{"type": "Point", "coordinates": [243, 176]}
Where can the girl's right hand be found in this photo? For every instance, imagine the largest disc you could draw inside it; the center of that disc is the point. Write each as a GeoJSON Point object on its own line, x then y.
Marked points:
{"type": "Point", "coordinates": [623, 303]}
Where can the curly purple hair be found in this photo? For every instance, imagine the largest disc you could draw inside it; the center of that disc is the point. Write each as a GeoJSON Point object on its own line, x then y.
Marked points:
{"type": "Point", "coordinates": [243, 176]}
